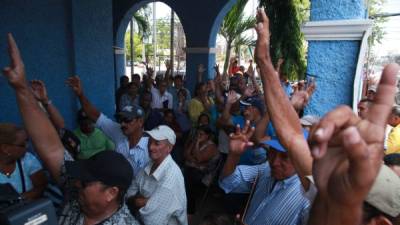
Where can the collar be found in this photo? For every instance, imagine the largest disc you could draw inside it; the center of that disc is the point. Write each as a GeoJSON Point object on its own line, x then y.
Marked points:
{"type": "Point", "coordinates": [161, 169]}
{"type": "Point", "coordinates": [288, 181]}
{"type": "Point", "coordinates": [142, 144]}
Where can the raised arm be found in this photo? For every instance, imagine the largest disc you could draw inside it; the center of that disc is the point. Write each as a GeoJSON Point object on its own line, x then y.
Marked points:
{"type": "Point", "coordinates": [40, 93]}
{"type": "Point", "coordinates": [200, 72]}
{"type": "Point", "coordinates": [261, 126]}
{"type": "Point", "coordinates": [238, 143]}
{"type": "Point", "coordinates": [75, 83]}
{"type": "Point", "coordinates": [45, 138]}
{"type": "Point", "coordinates": [283, 116]}
{"type": "Point", "coordinates": [348, 154]}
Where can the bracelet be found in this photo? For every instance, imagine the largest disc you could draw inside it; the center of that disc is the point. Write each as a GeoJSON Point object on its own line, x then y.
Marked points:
{"type": "Point", "coordinates": [47, 104]}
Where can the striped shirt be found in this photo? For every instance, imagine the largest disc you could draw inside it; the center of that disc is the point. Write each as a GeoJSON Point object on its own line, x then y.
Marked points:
{"type": "Point", "coordinates": [274, 202]}
{"type": "Point", "coordinates": [138, 156]}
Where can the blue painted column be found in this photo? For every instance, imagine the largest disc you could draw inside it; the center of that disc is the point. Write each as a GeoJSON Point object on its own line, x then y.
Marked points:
{"type": "Point", "coordinates": [192, 61]}
{"type": "Point", "coordinates": [333, 62]}
{"type": "Point", "coordinates": [94, 53]}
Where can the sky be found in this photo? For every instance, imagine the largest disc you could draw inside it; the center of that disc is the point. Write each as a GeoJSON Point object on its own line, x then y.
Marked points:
{"type": "Point", "coordinates": [391, 40]}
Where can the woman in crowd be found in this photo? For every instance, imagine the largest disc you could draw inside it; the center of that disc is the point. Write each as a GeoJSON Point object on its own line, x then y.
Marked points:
{"type": "Point", "coordinates": [17, 167]}
{"type": "Point", "coordinates": [201, 156]}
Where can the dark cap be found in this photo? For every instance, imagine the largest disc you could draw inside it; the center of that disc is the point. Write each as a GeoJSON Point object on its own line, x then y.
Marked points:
{"type": "Point", "coordinates": [109, 167]}
{"type": "Point", "coordinates": [82, 116]}
{"type": "Point", "coordinates": [254, 101]}
{"type": "Point", "coordinates": [130, 112]}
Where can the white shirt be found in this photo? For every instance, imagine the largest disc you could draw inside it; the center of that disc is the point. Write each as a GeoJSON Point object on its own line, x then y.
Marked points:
{"type": "Point", "coordinates": [138, 156]}
{"type": "Point", "coordinates": [165, 190]}
{"type": "Point", "coordinates": [158, 99]}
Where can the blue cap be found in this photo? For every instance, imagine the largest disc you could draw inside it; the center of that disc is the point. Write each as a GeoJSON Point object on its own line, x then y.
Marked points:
{"type": "Point", "coordinates": [254, 101]}
{"type": "Point", "coordinates": [275, 144]}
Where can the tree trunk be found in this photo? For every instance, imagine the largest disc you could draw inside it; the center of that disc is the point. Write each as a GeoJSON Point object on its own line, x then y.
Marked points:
{"type": "Point", "coordinates": [227, 56]}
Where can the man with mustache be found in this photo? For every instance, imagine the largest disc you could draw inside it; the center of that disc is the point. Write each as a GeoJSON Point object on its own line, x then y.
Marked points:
{"type": "Point", "coordinates": [127, 134]}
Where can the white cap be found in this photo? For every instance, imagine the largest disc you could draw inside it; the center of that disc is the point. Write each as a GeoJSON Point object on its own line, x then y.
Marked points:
{"type": "Point", "coordinates": [385, 192]}
{"type": "Point", "coordinates": [163, 132]}
{"type": "Point", "coordinates": [309, 120]}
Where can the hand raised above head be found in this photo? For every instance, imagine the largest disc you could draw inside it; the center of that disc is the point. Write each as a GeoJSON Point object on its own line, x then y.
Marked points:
{"type": "Point", "coordinates": [348, 151]}
{"type": "Point", "coordinates": [201, 68]}
{"type": "Point", "coordinates": [232, 97]}
{"type": "Point", "coordinates": [240, 140]}
{"type": "Point", "coordinates": [262, 28]}
{"type": "Point", "coordinates": [15, 72]}
{"type": "Point", "coordinates": [39, 90]}
{"type": "Point", "coordinates": [75, 83]}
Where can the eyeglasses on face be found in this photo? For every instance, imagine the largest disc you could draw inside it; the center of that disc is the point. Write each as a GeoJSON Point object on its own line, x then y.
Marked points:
{"type": "Point", "coordinates": [124, 120]}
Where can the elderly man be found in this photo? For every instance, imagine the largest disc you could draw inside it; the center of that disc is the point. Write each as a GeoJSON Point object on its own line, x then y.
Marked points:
{"type": "Point", "coordinates": [277, 197]}
{"type": "Point", "coordinates": [101, 190]}
{"type": "Point", "coordinates": [127, 134]}
{"type": "Point", "coordinates": [158, 192]}
{"type": "Point", "coordinates": [339, 201]}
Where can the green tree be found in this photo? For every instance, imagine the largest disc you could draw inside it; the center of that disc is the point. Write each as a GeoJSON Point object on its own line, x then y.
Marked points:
{"type": "Point", "coordinates": [233, 26]}
{"type": "Point", "coordinates": [376, 7]}
{"type": "Point", "coordinates": [142, 31]}
{"type": "Point", "coordinates": [287, 40]}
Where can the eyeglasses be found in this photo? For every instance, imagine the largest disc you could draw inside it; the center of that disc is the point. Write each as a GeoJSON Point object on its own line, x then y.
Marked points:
{"type": "Point", "coordinates": [124, 120]}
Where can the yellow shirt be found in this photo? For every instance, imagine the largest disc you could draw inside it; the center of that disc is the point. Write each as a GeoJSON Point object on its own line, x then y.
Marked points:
{"type": "Point", "coordinates": [393, 141]}
{"type": "Point", "coordinates": [195, 108]}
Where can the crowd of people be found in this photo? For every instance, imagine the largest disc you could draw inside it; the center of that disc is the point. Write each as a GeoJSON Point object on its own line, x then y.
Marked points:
{"type": "Point", "coordinates": [250, 143]}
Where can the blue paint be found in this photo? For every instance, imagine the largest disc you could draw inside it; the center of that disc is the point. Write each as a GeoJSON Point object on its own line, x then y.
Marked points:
{"type": "Point", "coordinates": [333, 62]}
{"type": "Point", "coordinates": [337, 9]}
{"type": "Point", "coordinates": [93, 47]}
{"type": "Point", "coordinates": [58, 38]}
{"type": "Point", "coordinates": [43, 33]}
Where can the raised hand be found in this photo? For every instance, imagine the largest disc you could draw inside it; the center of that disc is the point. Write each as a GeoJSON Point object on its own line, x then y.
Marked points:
{"type": "Point", "coordinates": [39, 91]}
{"type": "Point", "coordinates": [75, 83]}
{"type": "Point", "coordinates": [201, 68]}
{"type": "Point", "coordinates": [262, 28]}
{"type": "Point", "coordinates": [15, 72]}
{"type": "Point", "coordinates": [232, 97]}
{"type": "Point", "coordinates": [216, 68]}
{"type": "Point", "coordinates": [240, 140]}
{"type": "Point", "coordinates": [249, 91]}
{"type": "Point", "coordinates": [348, 151]}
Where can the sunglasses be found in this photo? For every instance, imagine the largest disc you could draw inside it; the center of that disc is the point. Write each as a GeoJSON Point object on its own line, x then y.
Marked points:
{"type": "Point", "coordinates": [124, 120]}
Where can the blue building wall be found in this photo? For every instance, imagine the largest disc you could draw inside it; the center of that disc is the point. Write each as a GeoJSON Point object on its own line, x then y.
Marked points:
{"type": "Point", "coordinates": [58, 38]}
{"type": "Point", "coordinates": [333, 62]}
{"type": "Point", "coordinates": [43, 33]}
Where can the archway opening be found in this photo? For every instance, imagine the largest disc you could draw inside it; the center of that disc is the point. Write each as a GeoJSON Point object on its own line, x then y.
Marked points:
{"type": "Point", "coordinates": [154, 37]}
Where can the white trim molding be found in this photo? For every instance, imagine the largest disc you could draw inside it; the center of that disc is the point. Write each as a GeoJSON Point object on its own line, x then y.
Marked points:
{"type": "Point", "coordinates": [335, 30]}
{"type": "Point", "coordinates": [201, 50]}
{"type": "Point", "coordinates": [118, 50]}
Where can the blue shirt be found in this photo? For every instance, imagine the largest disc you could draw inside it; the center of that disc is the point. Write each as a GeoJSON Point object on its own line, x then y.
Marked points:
{"type": "Point", "coordinates": [274, 202]}
{"type": "Point", "coordinates": [138, 155]}
{"type": "Point", "coordinates": [30, 165]}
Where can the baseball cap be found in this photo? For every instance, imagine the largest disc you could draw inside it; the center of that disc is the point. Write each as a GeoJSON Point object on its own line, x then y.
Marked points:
{"type": "Point", "coordinates": [309, 120]}
{"type": "Point", "coordinates": [163, 132]}
{"type": "Point", "coordinates": [372, 88]}
{"type": "Point", "coordinates": [254, 101]}
{"type": "Point", "coordinates": [82, 116]}
{"type": "Point", "coordinates": [275, 144]}
{"type": "Point", "coordinates": [385, 192]}
{"type": "Point", "coordinates": [130, 112]}
{"type": "Point", "coordinates": [109, 167]}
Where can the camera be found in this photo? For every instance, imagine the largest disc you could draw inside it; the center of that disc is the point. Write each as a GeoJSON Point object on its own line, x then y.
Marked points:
{"type": "Point", "coordinates": [16, 211]}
